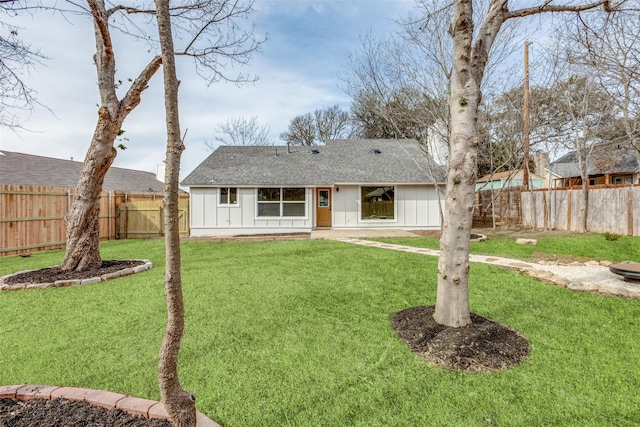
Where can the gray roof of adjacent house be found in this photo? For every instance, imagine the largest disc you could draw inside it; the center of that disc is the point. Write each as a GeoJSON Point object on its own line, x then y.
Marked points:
{"type": "Point", "coordinates": [27, 169]}
{"type": "Point", "coordinates": [339, 161]}
{"type": "Point", "coordinates": [604, 159]}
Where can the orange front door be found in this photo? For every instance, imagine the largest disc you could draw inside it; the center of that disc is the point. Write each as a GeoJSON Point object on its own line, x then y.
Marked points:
{"type": "Point", "coordinates": [323, 207]}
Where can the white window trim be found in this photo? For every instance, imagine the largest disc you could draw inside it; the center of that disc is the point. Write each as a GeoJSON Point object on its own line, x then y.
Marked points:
{"type": "Point", "coordinates": [228, 205]}
{"type": "Point", "coordinates": [378, 221]}
{"type": "Point", "coordinates": [280, 203]}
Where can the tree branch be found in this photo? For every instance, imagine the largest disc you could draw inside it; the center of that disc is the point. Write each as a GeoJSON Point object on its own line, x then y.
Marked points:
{"type": "Point", "coordinates": [548, 8]}
{"type": "Point", "coordinates": [132, 98]}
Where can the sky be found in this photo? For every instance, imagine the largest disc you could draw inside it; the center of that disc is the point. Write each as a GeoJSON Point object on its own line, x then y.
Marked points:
{"type": "Point", "coordinates": [298, 69]}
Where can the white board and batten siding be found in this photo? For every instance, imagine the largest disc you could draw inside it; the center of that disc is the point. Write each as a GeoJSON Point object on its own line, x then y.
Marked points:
{"type": "Point", "coordinates": [210, 218]}
{"type": "Point", "coordinates": [416, 207]}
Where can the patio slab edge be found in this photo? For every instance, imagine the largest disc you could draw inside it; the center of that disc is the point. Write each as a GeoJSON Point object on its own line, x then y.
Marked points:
{"type": "Point", "coordinates": [131, 405]}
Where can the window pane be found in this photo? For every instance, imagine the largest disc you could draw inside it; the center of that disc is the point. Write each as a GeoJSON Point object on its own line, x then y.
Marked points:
{"type": "Point", "coordinates": [268, 194]}
{"type": "Point", "coordinates": [293, 194]}
{"type": "Point", "coordinates": [323, 198]}
{"type": "Point", "coordinates": [268, 209]}
{"type": "Point", "coordinates": [293, 209]}
{"type": "Point", "coordinates": [224, 196]}
{"type": "Point", "coordinates": [377, 202]}
{"type": "Point", "coordinates": [233, 195]}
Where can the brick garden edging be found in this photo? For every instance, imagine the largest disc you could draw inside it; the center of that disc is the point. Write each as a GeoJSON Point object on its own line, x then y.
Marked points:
{"type": "Point", "coordinates": [121, 273]}
{"type": "Point", "coordinates": [132, 405]}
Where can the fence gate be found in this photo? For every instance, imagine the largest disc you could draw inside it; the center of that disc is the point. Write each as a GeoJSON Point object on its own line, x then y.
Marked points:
{"type": "Point", "coordinates": [143, 219]}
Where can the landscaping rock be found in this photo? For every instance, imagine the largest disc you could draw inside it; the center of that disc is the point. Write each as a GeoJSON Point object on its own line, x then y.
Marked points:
{"type": "Point", "coordinates": [527, 242]}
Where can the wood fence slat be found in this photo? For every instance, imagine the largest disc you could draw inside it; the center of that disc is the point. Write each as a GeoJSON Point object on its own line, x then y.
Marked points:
{"type": "Point", "coordinates": [613, 209]}
{"type": "Point", "coordinates": [33, 217]}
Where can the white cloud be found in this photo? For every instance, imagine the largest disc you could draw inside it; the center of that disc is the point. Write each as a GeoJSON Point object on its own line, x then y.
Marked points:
{"type": "Point", "coordinates": [298, 69]}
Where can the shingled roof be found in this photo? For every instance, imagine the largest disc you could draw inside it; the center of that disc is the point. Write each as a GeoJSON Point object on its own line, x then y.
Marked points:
{"type": "Point", "coordinates": [27, 169]}
{"type": "Point", "coordinates": [605, 158]}
{"type": "Point", "coordinates": [339, 161]}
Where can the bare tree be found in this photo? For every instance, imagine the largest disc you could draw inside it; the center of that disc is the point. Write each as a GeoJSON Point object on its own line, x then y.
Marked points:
{"type": "Point", "coordinates": [332, 123]}
{"type": "Point", "coordinates": [302, 131]}
{"type": "Point", "coordinates": [587, 108]}
{"type": "Point", "coordinates": [179, 404]}
{"type": "Point", "coordinates": [213, 37]}
{"type": "Point", "coordinates": [610, 48]}
{"type": "Point", "coordinates": [313, 129]}
{"type": "Point", "coordinates": [471, 52]}
{"type": "Point", "coordinates": [15, 58]}
{"type": "Point", "coordinates": [241, 131]}
{"type": "Point", "coordinates": [390, 99]}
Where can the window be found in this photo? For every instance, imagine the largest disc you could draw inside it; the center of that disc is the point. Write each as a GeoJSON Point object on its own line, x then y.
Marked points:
{"type": "Point", "coordinates": [623, 179]}
{"type": "Point", "coordinates": [228, 196]}
{"type": "Point", "coordinates": [293, 201]}
{"type": "Point", "coordinates": [281, 202]}
{"type": "Point", "coordinates": [377, 202]}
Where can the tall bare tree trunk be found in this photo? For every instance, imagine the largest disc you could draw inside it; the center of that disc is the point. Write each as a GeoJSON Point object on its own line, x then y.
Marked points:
{"type": "Point", "coordinates": [452, 302]}
{"type": "Point", "coordinates": [179, 403]}
{"type": "Point", "coordinates": [584, 207]}
{"type": "Point", "coordinates": [469, 63]}
{"type": "Point", "coordinates": [83, 229]}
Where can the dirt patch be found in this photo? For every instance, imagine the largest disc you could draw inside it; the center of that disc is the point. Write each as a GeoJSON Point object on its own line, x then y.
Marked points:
{"type": "Point", "coordinates": [503, 230]}
{"type": "Point", "coordinates": [65, 413]}
{"type": "Point", "coordinates": [53, 274]}
{"type": "Point", "coordinates": [483, 345]}
{"type": "Point", "coordinates": [560, 259]}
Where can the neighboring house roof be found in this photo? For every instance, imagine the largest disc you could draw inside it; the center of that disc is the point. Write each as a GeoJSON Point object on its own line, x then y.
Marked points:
{"type": "Point", "coordinates": [339, 161]}
{"type": "Point", "coordinates": [604, 159]}
{"type": "Point", "coordinates": [508, 175]}
{"type": "Point", "coordinates": [27, 169]}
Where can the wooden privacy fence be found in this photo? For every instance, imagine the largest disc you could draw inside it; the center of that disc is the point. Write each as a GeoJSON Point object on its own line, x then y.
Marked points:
{"type": "Point", "coordinates": [32, 218]}
{"type": "Point", "coordinates": [610, 209]}
{"type": "Point", "coordinates": [504, 203]}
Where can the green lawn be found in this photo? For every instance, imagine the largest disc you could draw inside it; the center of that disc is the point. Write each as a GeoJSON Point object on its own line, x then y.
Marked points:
{"type": "Point", "coordinates": [298, 333]}
{"type": "Point", "coordinates": [587, 246]}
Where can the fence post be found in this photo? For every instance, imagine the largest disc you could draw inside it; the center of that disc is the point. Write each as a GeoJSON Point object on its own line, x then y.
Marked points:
{"type": "Point", "coordinates": [630, 211]}
{"type": "Point", "coordinates": [544, 212]}
{"type": "Point", "coordinates": [569, 192]}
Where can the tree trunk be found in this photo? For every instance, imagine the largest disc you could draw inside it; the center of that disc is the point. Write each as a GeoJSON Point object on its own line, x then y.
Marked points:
{"type": "Point", "coordinates": [179, 404]}
{"type": "Point", "coordinates": [452, 303]}
{"type": "Point", "coordinates": [83, 227]}
{"type": "Point", "coordinates": [469, 63]}
{"type": "Point", "coordinates": [584, 208]}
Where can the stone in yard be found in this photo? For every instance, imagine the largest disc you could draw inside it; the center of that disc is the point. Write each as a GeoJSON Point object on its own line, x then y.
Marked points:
{"type": "Point", "coordinates": [527, 242]}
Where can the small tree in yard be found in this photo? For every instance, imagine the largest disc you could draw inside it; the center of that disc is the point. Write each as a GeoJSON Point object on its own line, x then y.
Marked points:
{"type": "Point", "coordinates": [179, 404]}
{"type": "Point", "coordinates": [213, 37]}
{"type": "Point", "coordinates": [471, 53]}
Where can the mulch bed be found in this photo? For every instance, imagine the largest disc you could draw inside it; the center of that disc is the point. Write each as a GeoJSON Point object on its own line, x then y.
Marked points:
{"type": "Point", "coordinates": [65, 413]}
{"type": "Point", "coordinates": [52, 274]}
{"type": "Point", "coordinates": [483, 345]}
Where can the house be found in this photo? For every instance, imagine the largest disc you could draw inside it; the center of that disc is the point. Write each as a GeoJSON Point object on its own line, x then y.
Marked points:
{"type": "Point", "coordinates": [508, 179]}
{"type": "Point", "coordinates": [28, 169]}
{"type": "Point", "coordinates": [608, 163]}
{"type": "Point", "coordinates": [344, 184]}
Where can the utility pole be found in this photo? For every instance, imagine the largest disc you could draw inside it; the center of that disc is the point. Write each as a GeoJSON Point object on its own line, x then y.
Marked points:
{"type": "Point", "coordinates": [527, 124]}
